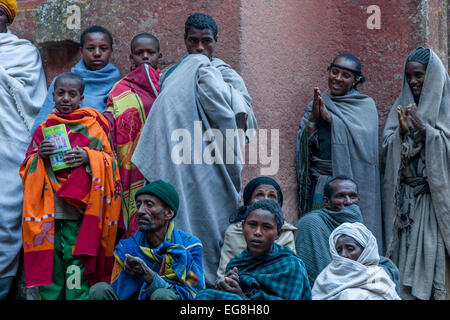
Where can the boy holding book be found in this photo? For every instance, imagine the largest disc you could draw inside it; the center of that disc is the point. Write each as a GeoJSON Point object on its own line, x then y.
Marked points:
{"type": "Point", "coordinates": [70, 212]}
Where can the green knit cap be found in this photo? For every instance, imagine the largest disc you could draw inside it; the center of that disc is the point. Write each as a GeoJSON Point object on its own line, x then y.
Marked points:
{"type": "Point", "coordinates": [164, 191]}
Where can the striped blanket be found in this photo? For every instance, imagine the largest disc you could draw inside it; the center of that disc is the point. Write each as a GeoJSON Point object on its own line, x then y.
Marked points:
{"type": "Point", "coordinates": [178, 261]}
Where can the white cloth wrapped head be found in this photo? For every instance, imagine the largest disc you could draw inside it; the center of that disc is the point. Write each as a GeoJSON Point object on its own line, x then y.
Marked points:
{"type": "Point", "coordinates": [346, 279]}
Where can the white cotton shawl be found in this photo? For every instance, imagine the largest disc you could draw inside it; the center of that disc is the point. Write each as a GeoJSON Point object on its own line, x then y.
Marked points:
{"type": "Point", "coordinates": [22, 92]}
{"type": "Point", "coordinates": [345, 279]}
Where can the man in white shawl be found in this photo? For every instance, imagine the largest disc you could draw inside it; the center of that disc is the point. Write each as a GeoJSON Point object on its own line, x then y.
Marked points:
{"type": "Point", "coordinates": [185, 140]}
{"type": "Point", "coordinates": [353, 274]}
{"type": "Point", "coordinates": [22, 91]}
{"type": "Point", "coordinates": [416, 178]}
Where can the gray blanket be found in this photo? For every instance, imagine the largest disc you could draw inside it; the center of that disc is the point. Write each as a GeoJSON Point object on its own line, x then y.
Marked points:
{"type": "Point", "coordinates": [354, 151]}
{"type": "Point", "coordinates": [195, 90]}
{"type": "Point", "coordinates": [416, 187]}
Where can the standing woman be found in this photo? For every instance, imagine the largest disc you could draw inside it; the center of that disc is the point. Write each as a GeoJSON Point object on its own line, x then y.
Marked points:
{"type": "Point", "coordinates": [339, 136]}
{"type": "Point", "coordinates": [416, 180]}
{"type": "Point", "coordinates": [22, 92]}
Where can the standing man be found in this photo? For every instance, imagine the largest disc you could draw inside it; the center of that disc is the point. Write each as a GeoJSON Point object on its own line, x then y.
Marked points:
{"type": "Point", "coordinates": [341, 204]}
{"type": "Point", "coordinates": [202, 100]}
{"type": "Point", "coordinates": [22, 92]}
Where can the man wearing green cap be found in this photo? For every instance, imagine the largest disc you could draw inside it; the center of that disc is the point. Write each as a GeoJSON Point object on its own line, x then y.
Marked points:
{"type": "Point", "coordinates": [158, 262]}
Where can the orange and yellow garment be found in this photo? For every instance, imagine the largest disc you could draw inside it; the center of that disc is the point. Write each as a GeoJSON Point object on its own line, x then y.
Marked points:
{"type": "Point", "coordinates": [95, 193]}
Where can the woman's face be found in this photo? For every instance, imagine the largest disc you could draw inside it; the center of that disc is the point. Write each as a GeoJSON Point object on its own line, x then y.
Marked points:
{"type": "Point", "coordinates": [260, 232]}
{"type": "Point", "coordinates": [415, 76]}
{"type": "Point", "coordinates": [264, 191]}
{"type": "Point", "coordinates": [348, 248]}
{"type": "Point", "coordinates": [340, 81]}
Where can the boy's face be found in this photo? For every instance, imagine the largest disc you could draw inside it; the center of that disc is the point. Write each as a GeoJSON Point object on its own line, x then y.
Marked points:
{"type": "Point", "coordinates": [200, 41]}
{"type": "Point", "coordinates": [67, 95]}
{"type": "Point", "coordinates": [96, 50]}
{"type": "Point", "coordinates": [145, 50]}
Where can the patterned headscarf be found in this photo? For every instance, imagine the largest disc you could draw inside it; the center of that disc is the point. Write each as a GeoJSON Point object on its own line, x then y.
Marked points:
{"type": "Point", "coordinates": [10, 7]}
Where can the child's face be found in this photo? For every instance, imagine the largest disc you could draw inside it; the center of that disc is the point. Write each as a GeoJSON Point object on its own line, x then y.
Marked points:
{"type": "Point", "coordinates": [96, 50]}
{"type": "Point", "coordinates": [145, 50]}
{"type": "Point", "coordinates": [67, 95]}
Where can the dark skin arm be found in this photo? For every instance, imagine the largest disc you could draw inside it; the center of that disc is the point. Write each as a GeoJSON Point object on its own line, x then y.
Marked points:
{"type": "Point", "coordinates": [230, 283]}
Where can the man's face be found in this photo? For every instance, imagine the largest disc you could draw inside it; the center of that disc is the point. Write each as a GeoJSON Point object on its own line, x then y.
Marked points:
{"type": "Point", "coordinates": [4, 21]}
{"type": "Point", "coordinates": [340, 81]}
{"type": "Point", "coordinates": [344, 194]}
{"type": "Point", "coordinates": [145, 50]}
{"type": "Point", "coordinates": [415, 76]}
{"type": "Point", "coordinates": [67, 95]}
{"type": "Point", "coordinates": [152, 214]}
{"type": "Point", "coordinates": [260, 232]}
{"type": "Point", "coordinates": [200, 41]}
{"type": "Point", "coordinates": [96, 50]}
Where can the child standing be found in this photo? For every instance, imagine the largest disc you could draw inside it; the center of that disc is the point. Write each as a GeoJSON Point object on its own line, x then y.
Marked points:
{"type": "Point", "coordinates": [70, 215]}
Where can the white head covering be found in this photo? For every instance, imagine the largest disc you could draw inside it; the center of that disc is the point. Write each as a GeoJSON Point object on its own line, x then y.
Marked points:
{"type": "Point", "coordinates": [346, 279]}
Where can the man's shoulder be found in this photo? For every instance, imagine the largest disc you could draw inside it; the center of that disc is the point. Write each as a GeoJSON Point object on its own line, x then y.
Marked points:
{"type": "Point", "coordinates": [311, 218]}
{"type": "Point", "coordinates": [188, 239]}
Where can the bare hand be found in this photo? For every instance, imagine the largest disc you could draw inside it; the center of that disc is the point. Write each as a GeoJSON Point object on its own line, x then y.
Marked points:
{"type": "Point", "coordinates": [135, 266]}
{"type": "Point", "coordinates": [230, 282]}
{"type": "Point", "coordinates": [315, 113]}
{"type": "Point", "coordinates": [416, 119]}
{"type": "Point", "coordinates": [76, 157]}
{"type": "Point", "coordinates": [404, 118]}
{"type": "Point", "coordinates": [46, 148]}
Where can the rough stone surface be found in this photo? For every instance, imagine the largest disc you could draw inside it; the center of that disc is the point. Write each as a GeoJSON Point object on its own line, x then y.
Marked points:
{"type": "Point", "coordinates": [281, 47]}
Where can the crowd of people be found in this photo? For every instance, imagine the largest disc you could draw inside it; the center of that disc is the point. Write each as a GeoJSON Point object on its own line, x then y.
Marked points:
{"type": "Point", "coordinates": [120, 220]}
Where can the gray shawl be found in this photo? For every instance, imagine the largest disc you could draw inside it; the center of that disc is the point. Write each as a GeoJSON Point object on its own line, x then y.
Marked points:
{"type": "Point", "coordinates": [197, 89]}
{"type": "Point", "coordinates": [354, 151]}
{"type": "Point", "coordinates": [425, 227]}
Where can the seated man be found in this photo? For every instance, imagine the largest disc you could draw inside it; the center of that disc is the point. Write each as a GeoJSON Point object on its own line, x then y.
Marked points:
{"type": "Point", "coordinates": [128, 105]}
{"type": "Point", "coordinates": [99, 75]}
{"type": "Point", "coordinates": [264, 270]}
{"type": "Point", "coordinates": [234, 242]}
{"type": "Point", "coordinates": [341, 202]}
{"type": "Point", "coordinates": [158, 262]}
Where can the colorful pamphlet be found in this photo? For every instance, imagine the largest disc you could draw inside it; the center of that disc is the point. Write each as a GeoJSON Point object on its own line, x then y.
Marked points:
{"type": "Point", "coordinates": [58, 136]}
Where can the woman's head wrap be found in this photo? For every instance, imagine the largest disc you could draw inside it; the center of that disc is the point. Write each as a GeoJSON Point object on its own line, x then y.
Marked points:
{"type": "Point", "coordinates": [421, 55]}
{"type": "Point", "coordinates": [268, 205]}
{"type": "Point", "coordinates": [359, 78]}
{"type": "Point", "coordinates": [247, 195]}
{"type": "Point", "coordinates": [164, 191]}
{"type": "Point", "coordinates": [10, 7]}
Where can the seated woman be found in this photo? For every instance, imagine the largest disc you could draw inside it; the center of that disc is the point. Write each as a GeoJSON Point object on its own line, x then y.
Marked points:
{"type": "Point", "coordinates": [234, 242]}
{"type": "Point", "coordinates": [353, 274]}
{"type": "Point", "coordinates": [264, 270]}
{"type": "Point", "coordinates": [339, 136]}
